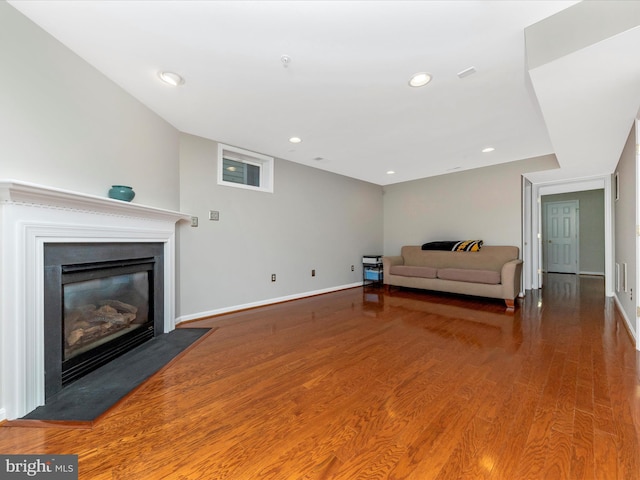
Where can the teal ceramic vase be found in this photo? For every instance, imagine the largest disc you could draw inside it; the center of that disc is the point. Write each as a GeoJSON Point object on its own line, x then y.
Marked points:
{"type": "Point", "coordinates": [122, 192]}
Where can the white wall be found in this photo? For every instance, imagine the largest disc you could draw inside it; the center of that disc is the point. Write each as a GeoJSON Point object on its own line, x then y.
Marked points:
{"type": "Point", "coordinates": [625, 228]}
{"type": "Point", "coordinates": [313, 220]}
{"type": "Point", "coordinates": [484, 203]}
{"type": "Point", "coordinates": [63, 124]}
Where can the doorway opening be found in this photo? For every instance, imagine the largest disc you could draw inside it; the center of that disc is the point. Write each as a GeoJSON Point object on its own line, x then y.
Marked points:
{"type": "Point", "coordinates": [594, 257]}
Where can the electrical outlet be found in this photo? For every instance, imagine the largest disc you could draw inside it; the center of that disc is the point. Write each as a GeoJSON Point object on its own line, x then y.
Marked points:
{"type": "Point", "coordinates": [194, 221]}
{"type": "Point", "coordinates": [313, 272]}
{"type": "Point", "coordinates": [214, 215]}
{"type": "Point", "coordinates": [273, 277]}
{"type": "Point", "coordinates": [352, 268]}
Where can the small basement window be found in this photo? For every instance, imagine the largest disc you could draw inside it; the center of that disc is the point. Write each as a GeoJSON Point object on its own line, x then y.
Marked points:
{"type": "Point", "coordinates": [244, 169]}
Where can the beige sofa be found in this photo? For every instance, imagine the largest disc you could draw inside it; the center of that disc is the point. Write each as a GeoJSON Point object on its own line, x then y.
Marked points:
{"type": "Point", "coordinates": [492, 272]}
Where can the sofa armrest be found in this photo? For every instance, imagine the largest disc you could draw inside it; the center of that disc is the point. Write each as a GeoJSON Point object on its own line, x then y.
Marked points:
{"type": "Point", "coordinates": [510, 278]}
{"type": "Point", "coordinates": [388, 262]}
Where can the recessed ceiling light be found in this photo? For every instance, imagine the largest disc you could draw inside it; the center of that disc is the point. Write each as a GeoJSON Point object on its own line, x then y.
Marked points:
{"type": "Point", "coordinates": [171, 78]}
{"type": "Point", "coordinates": [420, 79]}
{"type": "Point", "coordinates": [390, 172]}
{"type": "Point", "coordinates": [295, 139]}
{"type": "Point", "coordinates": [488, 150]}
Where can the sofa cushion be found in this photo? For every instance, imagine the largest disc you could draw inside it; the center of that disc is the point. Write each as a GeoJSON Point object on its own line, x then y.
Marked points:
{"type": "Point", "coordinates": [488, 258]}
{"type": "Point", "coordinates": [465, 275]}
{"type": "Point", "coordinates": [411, 271]}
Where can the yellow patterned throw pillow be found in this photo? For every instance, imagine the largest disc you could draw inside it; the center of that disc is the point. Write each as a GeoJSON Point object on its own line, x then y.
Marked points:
{"type": "Point", "coordinates": [467, 246]}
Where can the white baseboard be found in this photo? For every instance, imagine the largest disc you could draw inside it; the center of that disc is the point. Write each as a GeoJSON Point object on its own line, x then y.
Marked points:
{"type": "Point", "coordinates": [261, 303]}
{"type": "Point", "coordinates": [629, 325]}
{"type": "Point", "coordinates": [3, 414]}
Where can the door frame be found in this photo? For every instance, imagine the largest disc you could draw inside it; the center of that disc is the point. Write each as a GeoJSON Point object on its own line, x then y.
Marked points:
{"type": "Point", "coordinates": [637, 202]}
{"type": "Point", "coordinates": [533, 245]}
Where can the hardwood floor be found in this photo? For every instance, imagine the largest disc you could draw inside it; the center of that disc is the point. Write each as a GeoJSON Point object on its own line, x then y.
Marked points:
{"type": "Point", "coordinates": [366, 385]}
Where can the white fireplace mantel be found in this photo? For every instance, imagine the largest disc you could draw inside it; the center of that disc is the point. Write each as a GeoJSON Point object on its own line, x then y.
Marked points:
{"type": "Point", "coordinates": [30, 216]}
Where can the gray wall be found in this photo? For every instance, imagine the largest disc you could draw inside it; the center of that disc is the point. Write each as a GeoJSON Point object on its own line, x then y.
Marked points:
{"type": "Point", "coordinates": [625, 227]}
{"type": "Point", "coordinates": [485, 204]}
{"type": "Point", "coordinates": [591, 227]}
{"type": "Point", "coordinates": [313, 220]}
{"type": "Point", "coordinates": [63, 124]}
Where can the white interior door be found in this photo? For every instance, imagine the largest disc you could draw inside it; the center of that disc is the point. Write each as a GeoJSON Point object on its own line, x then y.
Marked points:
{"type": "Point", "coordinates": [561, 237]}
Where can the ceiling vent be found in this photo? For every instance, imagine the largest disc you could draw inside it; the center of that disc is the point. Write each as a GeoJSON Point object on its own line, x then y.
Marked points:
{"type": "Point", "coordinates": [466, 72]}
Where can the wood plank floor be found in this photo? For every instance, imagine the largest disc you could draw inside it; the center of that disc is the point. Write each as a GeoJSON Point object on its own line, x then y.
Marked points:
{"type": "Point", "coordinates": [366, 385]}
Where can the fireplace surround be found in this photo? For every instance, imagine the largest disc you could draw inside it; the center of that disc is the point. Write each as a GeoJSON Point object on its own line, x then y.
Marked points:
{"type": "Point", "coordinates": [32, 216]}
{"type": "Point", "coordinates": [100, 301]}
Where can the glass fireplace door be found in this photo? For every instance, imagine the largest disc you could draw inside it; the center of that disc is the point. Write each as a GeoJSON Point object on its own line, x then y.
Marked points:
{"type": "Point", "coordinates": [99, 310]}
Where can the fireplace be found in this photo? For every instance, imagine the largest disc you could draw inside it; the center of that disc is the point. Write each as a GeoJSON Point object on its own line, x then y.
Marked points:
{"type": "Point", "coordinates": [100, 301]}
{"type": "Point", "coordinates": [32, 216]}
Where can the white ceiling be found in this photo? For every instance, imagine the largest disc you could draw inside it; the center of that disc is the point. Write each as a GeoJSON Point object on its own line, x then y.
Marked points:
{"type": "Point", "coordinates": [589, 99]}
{"type": "Point", "coordinates": [345, 91]}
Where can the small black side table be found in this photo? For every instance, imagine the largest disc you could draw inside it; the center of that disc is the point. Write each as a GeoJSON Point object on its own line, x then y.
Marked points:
{"type": "Point", "coordinates": [372, 273]}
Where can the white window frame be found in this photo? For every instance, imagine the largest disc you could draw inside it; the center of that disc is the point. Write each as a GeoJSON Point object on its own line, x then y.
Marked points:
{"type": "Point", "coordinates": [264, 162]}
